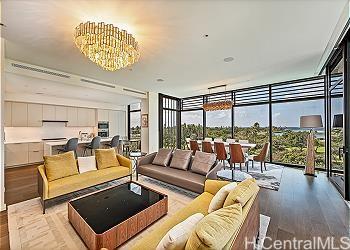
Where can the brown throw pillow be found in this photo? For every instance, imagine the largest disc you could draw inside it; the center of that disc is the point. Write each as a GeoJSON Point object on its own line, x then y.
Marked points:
{"type": "Point", "coordinates": [106, 158]}
{"type": "Point", "coordinates": [181, 159]}
{"type": "Point", "coordinates": [162, 157]}
{"type": "Point", "coordinates": [203, 162]}
{"type": "Point", "coordinates": [60, 166]}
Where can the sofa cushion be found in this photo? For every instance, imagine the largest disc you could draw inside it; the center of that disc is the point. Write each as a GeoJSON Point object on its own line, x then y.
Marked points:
{"type": "Point", "coordinates": [60, 166]}
{"type": "Point", "coordinates": [162, 157]}
{"type": "Point", "coordinates": [203, 162]}
{"type": "Point", "coordinates": [198, 205]}
{"type": "Point", "coordinates": [215, 230]}
{"type": "Point", "coordinates": [106, 158]}
{"type": "Point", "coordinates": [86, 163]}
{"type": "Point", "coordinates": [242, 193]}
{"type": "Point", "coordinates": [186, 179]}
{"type": "Point", "coordinates": [219, 198]}
{"type": "Point", "coordinates": [181, 159]}
{"type": "Point", "coordinates": [177, 236]}
{"type": "Point", "coordinates": [84, 180]}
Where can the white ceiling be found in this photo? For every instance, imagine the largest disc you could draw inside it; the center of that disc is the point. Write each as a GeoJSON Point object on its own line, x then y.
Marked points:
{"type": "Point", "coordinates": [270, 40]}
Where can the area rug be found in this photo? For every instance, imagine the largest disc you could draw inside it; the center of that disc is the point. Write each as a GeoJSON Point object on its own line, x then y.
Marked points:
{"type": "Point", "coordinates": [270, 178]}
{"type": "Point", "coordinates": [30, 229]}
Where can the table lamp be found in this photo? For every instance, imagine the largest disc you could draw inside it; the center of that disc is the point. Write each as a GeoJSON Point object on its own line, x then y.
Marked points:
{"type": "Point", "coordinates": [311, 122]}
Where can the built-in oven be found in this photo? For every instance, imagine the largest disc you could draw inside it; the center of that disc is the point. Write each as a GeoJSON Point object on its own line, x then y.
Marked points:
{"type": "Point", "coordinates": [103, 129]}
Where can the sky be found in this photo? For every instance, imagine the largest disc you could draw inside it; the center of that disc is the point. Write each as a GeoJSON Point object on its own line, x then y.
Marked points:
{"type": "Point", "coordinates": [284, 114]}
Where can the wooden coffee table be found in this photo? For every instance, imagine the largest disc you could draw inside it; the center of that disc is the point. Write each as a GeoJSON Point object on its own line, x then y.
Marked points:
{"type": "Point", "coordinates": [109, 217]}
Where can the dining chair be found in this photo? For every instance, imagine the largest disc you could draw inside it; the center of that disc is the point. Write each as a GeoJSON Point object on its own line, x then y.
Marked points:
{"type": "Point", "coordinates": [245, 150]}
{"type": "Point", "coordinates": [194, 146]}
{"type": "Point", "coordinates": [206, 147]}
{"type": "Point", "coordinates": [260, 157]}
{"type": "Point", "coordinates": [94, 144]}
{"type": "Point", "coordinates": [71, 145]}
{"type": "Point", "coordinates": [237, 156]}
{"type": "Point", "coordinates": [220, 151]}
{"type": "Point", "coordinates": [229, 140]}
{"type": "Point", "coordinates": [218, 140]}
{"type": "Point", "coordinates": [208, 139]}
{"type": "Point", "coordinates": [188, 142]}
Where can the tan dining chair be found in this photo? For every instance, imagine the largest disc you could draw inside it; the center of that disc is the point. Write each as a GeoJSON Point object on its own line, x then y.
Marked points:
{"type": "Point", "coordinates": [188, 143]}
{"type": "Point", "coordinates": [220, 151]}
{"type": "Point", "coordinates": [260, 157]}
{"type": "Point", "coordinates": [194, 146]}
{"type": "Point", "coordinates": [206, 147]}
{"type": "Point", "coordinates": [237, 156]}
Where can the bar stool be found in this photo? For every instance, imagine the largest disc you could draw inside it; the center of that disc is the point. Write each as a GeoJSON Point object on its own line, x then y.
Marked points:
{"type": "Point", "coordinates": [71, 145]}
{"type": "Point", "coordinates": [94, 144]}
{"type": "Point", "coordinates": [115, 142]}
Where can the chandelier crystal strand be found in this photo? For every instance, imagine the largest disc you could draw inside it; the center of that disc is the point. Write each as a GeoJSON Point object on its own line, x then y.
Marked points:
{"type": "Point", "coordinates": [106, 45]}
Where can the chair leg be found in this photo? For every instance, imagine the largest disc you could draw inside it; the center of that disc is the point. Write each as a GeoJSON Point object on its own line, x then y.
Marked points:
{"type": "Point", "coordinates": [265, 165]}
{"type": "Point", "coordinates": [137, 176]}
{"type": "Point", "coordinates": [261, 166]}
{"type": "Point", "coordinates": [232, 173]}
{"type": "Point", "coordinates": [247, 165]}
{"type": "Point", "coordinates": [84, 153]}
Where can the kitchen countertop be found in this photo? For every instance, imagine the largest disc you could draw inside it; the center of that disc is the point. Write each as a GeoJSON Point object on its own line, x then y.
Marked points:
{"type": "Point", "coordinates": [23, 141]}
{"type": "Point", "coordinates": [63, 142]}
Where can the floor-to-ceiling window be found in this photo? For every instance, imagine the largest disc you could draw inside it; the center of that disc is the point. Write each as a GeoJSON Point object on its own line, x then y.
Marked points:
{"type": "Point", "coordinates": [218, 124]}
{"type": "Point", "coordinates": [288, 139]}
{"type": "Point", "coordinates": [169, 122]}
{"type": "Point", "coordinates": [252, 123]}
{"type": "Point", "coordinates": [191, 126]}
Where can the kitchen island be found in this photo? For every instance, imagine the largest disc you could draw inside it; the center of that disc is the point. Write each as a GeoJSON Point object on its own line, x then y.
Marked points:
{"type": "Point", "coordinates": [51, 147]}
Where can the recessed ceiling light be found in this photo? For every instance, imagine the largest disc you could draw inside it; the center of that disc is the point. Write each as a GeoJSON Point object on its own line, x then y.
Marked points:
{"type": "Point", "coordinates": [228, 59]}
{"type": "Point", "coordinates": [205, 35]}
{"type": "Point", "coordinates": [160, 80]}
{"type": "Point", "coordinates": [39, 93]}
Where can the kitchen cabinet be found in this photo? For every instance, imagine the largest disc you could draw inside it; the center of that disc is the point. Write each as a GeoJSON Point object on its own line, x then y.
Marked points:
{"type": "Point", "coordinates": [72, 117]}
{"type": "Point", "coordinates": [35, 152]}
{"type": "Point", "coordinates": [8, 114]}
{"type": "Point", "coordinates": [35, 115]}
{"type": "Point", "coordinates": [103, 115]}
{"type": "Point", "coordinates": [60, 113]}
{"type": "Point", "coordinates": [92, 118]}
{"type": "Point", "coordinates": [83, 117]}
{"type": "Point", "coordinates": [19, 114]}
{"type": "Point", "coordinates": [16, 154]}
{"type": "Point", "coordinates": [122, 123]}
{"type": "Point", "coordinates": [49, 112]}
{"type": "Point", "coordinates": [113, 123]}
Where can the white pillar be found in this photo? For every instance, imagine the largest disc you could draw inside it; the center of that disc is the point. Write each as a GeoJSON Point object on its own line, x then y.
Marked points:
{"type": "Point", "coordinates": [150, 135]}
{"type": "Point", "coordinates": [2, 167]}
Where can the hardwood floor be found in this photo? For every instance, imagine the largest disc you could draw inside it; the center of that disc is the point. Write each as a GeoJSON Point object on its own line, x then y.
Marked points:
{"type": "Point", "coordinates": [303, 207]}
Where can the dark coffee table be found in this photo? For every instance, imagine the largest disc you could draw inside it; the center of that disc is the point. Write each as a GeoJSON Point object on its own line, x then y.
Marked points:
{"type": "Point", "coordinates": [109, 217]}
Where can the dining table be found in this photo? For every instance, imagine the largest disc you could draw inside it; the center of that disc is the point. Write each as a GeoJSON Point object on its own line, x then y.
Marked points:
{"type": "Point", "coordinates": [244, 145]}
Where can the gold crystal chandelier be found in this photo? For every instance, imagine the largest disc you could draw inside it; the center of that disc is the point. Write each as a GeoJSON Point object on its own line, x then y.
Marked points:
{"type": "Point", "coordinates": [106, 45]}
{"type": "Point", "coordinates": [217, 105]}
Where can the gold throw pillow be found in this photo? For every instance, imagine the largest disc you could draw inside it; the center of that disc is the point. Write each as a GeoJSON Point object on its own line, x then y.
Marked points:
{"type": "Point", "coordinates": [60, 166]}
{"type": "Point", "coordinates": [242, 193]}
{"type": "Point", "coordinates": [106, 158]}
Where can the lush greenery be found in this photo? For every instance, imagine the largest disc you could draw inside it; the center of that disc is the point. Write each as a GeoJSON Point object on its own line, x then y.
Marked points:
{"type": "Point", "coordinates": [289, 145]}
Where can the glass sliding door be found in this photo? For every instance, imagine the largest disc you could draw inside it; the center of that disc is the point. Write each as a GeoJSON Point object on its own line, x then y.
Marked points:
{"type": "Point", "coordinates": [337, 111]}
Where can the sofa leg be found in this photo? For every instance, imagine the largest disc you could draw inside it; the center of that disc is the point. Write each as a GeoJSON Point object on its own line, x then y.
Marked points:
{"type": "Point", "coordinates": [43, 205]}
{"type": "Point", "coordinates": [131, 177]}
{"type": "Point", "coordinates": [137, 176]}
{"type": "Point", "coordinates": [257, 238]}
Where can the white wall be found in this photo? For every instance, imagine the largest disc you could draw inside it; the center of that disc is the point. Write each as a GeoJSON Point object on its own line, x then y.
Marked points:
{"type": "Point", "coordinates": [150, 135]}
{"type": "Point", "coordinates": [2, 167]}
{"type": "Point", "coordinates": [153, 132]}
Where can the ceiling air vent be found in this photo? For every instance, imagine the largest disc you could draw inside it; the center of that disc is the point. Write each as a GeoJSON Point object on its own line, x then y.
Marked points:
{"type": "Point", "coordinates": [134, 91]}
{"type": "Point", "coordinates": [21, 66]}
{"type": "Point", "coordinates": [98, 83]}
